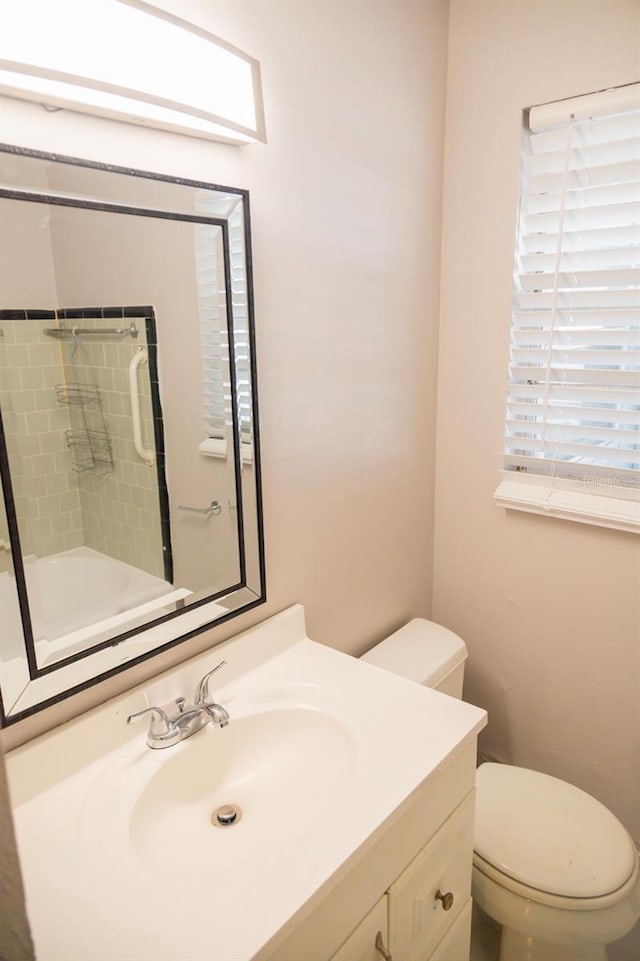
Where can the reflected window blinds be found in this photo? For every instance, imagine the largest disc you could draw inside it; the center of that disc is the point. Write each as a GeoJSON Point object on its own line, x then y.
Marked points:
{"type": "Point", "coordinates": [216, 359]}
{"type": "Point", "coordinates": [214, 339]}
{"type": "Point", "coordinates": [572, 443]}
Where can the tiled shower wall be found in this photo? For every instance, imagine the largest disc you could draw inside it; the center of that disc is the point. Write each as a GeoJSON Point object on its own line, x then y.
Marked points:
{"type": "Point", "coordinates": [120, 509]}
{"type": "Point", "coordinates": [59, 508]}
{"type": "Point", "coordinates": [45, 487]}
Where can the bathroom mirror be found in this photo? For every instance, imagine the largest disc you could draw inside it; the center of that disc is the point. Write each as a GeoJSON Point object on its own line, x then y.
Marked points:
{"type": "Point", "coordinates": [130, 516]}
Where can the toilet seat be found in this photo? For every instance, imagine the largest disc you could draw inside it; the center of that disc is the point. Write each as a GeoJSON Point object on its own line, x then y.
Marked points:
{"type": "Point", "coordinates": [562, 902]}
{"type": "Point", "coordinates": [548, 840]}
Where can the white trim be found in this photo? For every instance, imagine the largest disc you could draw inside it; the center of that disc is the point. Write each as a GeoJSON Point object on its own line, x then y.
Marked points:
{"type": "Point", "coordinates": [217, 447]}
{"type": "Point", "coordinates": [213, 447]}
{"type": "Point", "coordinates": [558, 498]}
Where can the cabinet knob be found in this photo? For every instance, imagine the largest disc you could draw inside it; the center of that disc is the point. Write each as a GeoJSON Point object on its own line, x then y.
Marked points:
{"type": "Point", "coordinates": [380, 948]}
{"type": "Point", "coordinates": [447, 899]}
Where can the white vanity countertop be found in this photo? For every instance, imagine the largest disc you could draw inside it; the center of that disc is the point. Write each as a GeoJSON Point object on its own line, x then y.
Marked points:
{"type": "Point", "coordinates": [100, 884]}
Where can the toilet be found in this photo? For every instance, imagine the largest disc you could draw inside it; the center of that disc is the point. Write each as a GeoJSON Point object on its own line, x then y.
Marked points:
{"type": "Point", "coordinates": [551, 864]}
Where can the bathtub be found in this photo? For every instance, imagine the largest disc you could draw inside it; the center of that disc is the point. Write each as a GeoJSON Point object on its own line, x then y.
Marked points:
{"type": "Point", "coordinates": [78, 598]}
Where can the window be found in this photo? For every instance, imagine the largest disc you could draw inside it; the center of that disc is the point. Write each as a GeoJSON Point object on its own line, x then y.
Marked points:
{"type": "Point", "coordinates": [572, 444]}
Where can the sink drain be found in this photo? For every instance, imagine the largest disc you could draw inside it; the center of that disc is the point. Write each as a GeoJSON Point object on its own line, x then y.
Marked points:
{"type": "Point", "coordinates": [226, 815]}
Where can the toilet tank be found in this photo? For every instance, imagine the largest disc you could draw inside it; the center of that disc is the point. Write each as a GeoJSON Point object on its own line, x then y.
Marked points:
{"type": "Point", "coordinates": [424, 652]}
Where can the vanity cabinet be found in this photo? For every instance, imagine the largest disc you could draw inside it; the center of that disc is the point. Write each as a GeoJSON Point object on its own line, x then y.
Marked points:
{"type": "Point", "coordinates": [356, 821]}
{"type": "Point", "coordinates": [407, 896]}
{"type": "Point", "coordinates": [425, 915]}
{"type": "Point", "coordinates": [364, 944]}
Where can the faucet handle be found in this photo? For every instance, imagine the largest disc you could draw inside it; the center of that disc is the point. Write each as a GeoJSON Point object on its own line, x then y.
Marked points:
{"type": "Point", "coordinates": [160, 724]}
{"type": "Point", "coordinates": [202, 695]}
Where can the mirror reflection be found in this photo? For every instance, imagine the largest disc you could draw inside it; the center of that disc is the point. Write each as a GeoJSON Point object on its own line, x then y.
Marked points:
{"type": "Point", "coordinates": [129, 448]}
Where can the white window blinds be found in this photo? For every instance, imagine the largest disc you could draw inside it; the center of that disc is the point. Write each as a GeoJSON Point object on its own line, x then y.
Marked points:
{"type": "Point", "coordinates": [241, 345]}
{"type": "Point", "coordinates": [573, 410]}
{"type": "Point", "coordinates": [213, 333]}
{"type": "Point", "coordinates": [216, 359]}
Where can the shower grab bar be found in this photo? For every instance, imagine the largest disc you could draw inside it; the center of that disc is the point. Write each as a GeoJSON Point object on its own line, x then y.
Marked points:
{"type": "Point", "coordinates": [130, 331]}
{"type": "Point", "coordinates": [148, 456]}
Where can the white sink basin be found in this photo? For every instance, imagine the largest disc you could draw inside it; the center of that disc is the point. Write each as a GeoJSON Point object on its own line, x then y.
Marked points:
{"type": "Point", "coordinates": [119, 857]}
{"type": "Point", "coordinates": [282, 769]}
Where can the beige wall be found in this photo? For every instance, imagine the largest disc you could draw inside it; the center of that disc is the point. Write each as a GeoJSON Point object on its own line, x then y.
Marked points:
{"type": "Point", "coordinates": [346, 230]}
{"type": "Point", "coordinates": [550, 609]}
{"type": "Point", "coordinates": [345, 204]}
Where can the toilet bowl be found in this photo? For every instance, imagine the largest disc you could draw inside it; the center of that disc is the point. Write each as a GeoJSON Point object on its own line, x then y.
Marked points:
{"type": "Point", "coordinates": [551, 865]}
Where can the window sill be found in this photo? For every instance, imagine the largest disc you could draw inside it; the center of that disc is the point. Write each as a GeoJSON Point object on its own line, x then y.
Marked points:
{"type": "Point", "coordinates": [561, 499]}
{"type": "Point", "coordinates": [217, 447]}
{"type": "Point", "coordinates": [213, 447]}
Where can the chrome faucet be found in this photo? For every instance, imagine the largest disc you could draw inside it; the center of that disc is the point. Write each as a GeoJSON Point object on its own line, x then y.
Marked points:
{"type": "Point", "coordinates": [177, 721]}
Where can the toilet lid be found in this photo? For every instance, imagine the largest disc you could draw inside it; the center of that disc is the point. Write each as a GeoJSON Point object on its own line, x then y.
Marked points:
{"type": "Point", "coordinates": [548, 834]}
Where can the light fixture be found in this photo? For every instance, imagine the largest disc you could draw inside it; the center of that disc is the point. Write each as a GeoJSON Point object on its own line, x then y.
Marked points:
{"type": "Point", "coordinates": [127, 60]}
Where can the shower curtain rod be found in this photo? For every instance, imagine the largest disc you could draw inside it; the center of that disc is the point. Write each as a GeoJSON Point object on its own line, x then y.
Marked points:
{"type": "Point", "coordinates": [130, 331]}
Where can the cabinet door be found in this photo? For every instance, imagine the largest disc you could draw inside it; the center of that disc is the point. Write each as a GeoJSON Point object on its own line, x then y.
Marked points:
{"type": "Point", "coordinates": [431, 893]}
{"type": "Point", "coordinates": [455, 944]}
{"type": "Point", "coordinates": [361, 943]}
